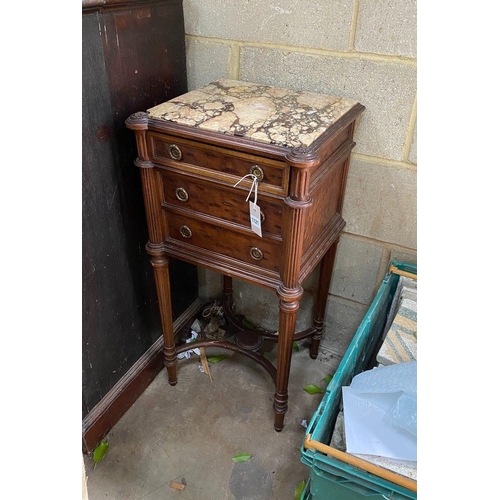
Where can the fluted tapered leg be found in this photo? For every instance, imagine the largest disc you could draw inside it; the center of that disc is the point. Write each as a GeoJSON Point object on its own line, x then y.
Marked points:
{"type": "Point", "coordinates": [288, 305]}
{"type": "Point", "coordinates": [162, 279]}
{"type": "Point", "coordinates": [325, 276]}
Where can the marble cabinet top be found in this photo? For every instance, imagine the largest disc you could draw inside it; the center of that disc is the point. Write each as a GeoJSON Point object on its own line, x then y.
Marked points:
{"type": "Point", "coordinates": [259, 112]}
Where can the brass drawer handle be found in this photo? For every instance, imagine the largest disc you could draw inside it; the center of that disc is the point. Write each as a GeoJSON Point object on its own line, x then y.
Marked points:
{"type": "Point", "coordinates": [181, 194]}
{"type": "Point", "coordinates": [186, 232]}
{"type": "Point", "coordinates": [256, 253]}
{"type": "Point", "coordinates": [175, 152]}
{"type": "Point", "coordinates": [258, 172]}
{"type": "Point", "coordinates": [262, 217]}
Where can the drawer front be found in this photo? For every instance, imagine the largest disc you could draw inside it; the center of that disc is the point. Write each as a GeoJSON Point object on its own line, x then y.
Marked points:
{"type": "Point", "coordinates": [220, 163]}
{"type": "Point", "coordinates": [249, 247]}
{"type": "Point", "coordinates": [220, 201]}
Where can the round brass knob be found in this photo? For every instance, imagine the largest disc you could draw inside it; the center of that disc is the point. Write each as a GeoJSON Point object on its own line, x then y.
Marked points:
{"type": "Point", "coordinates": [256, 253]}
{"type": "Point", "coordinates": [186, 232]}
{"type": "Point", "coordinates": [258, 172]}
{"type": "Point", "coordinates": [262, 217]}
{"type": "Point", "coordinates": [181, 194]}
{"type": "Point", "coordinates": [175, 152]}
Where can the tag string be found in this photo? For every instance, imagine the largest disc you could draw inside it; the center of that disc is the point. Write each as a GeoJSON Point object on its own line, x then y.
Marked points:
{"type": "Point", "coordinates": [255, 185]}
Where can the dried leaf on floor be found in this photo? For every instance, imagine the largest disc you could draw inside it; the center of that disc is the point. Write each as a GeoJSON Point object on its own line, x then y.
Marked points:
{"type": "Point", "coordinates": [177, 486]}
{"type": "Point", "coordinates": [204, 363]}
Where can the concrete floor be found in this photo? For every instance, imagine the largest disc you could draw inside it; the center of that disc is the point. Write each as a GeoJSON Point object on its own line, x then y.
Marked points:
{"type": "Point", "coordinates": [189, 433]}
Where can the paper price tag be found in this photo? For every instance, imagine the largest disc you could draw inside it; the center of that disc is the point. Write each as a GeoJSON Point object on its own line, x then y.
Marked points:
{"type": "Point", "coordinates": [255, 218]}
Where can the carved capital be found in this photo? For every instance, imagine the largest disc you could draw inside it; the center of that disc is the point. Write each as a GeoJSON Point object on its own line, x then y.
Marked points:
{"type": "Point", "coordinates": [137, 121]}
{"type": "Point", "coordinates": [156, 251]}
{"type": "Point", "coordinates": [302, 157]}
{"type": "Point", "coordinates": [298, 204]}
{"type": "Point", "coordinates": [143, 163]}
{"type": "Point", "coordinates": [302, 151]}
{"type": "Point", "coordinates": [290, 295]}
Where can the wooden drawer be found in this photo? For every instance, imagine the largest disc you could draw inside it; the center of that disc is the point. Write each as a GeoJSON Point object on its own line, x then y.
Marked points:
{"type": "Point", "coordinates": [223, 241]}
{"type": "Point", "coordinates": [216, 162]}
{"type": "Point", "coordinates": [218, 200]}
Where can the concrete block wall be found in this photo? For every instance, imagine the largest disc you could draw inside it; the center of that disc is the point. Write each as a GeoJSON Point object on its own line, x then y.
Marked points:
{"type": "Point", "coordinates": [361, 49]}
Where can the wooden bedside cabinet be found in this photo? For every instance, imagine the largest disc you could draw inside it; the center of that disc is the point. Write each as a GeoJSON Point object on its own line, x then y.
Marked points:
{"type": "Point", "coordinates": [208, 157]}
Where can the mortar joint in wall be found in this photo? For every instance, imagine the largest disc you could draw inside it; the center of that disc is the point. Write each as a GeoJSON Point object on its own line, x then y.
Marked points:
{"type": "Point", "coordinates": [313, 51]}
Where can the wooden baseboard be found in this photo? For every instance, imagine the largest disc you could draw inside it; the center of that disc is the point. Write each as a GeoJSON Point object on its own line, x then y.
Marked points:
{"type": "Point", "coordinates": [125, 392]}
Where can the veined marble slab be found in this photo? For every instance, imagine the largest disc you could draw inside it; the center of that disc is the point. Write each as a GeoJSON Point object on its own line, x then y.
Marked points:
{"type": "Point", "coordinates": [259, 112]}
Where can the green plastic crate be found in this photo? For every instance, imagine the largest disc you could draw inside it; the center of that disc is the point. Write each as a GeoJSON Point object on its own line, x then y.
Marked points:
{"type": "Point", "coordinates": [329, 477]}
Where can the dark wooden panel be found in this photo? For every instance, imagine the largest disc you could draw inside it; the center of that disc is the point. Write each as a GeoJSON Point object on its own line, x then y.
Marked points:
{"type": "Point", "coordinates": [131, 60]}
{"type": "Point", "coordinates": [101, 419]}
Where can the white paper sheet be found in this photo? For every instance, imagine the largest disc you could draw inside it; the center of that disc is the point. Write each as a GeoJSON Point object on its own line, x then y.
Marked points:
{"type": "Point", "coordinates": [380, 412]}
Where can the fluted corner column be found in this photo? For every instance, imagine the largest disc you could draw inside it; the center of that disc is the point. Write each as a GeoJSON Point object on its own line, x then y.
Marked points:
{"type": "Point", "coordinates": [151, 187]}
{"type": "Point", "coordinates": [290, 291]}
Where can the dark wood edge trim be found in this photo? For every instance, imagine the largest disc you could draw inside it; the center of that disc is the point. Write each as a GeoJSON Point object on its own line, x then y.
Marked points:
{"type": "Point", "coordinates": [125, 392]}
{"type": "Point", "coordinates": [116, 4]}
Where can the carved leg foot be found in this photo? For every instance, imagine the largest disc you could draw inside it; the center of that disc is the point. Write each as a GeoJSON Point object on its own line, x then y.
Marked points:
{"type": "Point", "coordinates": [280, 408]}
{"type": "Point", "coordinates": [170, 362]}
